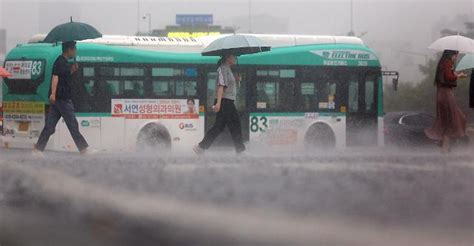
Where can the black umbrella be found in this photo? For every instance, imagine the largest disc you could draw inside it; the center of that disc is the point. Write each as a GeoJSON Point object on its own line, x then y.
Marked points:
{"type": "Point", "coordinates": [72, 31]}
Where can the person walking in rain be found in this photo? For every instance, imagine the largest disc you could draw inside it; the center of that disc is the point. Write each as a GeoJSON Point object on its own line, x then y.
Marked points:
{"type": "Point", "coordinates": [61, 101]}
{"type": "Point", "coordinates": [224, 106]}
{"type": "Point", "coordinates": [450, 122]}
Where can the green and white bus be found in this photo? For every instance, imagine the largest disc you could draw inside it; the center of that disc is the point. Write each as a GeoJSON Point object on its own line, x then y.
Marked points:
{"type": "Point", "coordinates": [135, 92]}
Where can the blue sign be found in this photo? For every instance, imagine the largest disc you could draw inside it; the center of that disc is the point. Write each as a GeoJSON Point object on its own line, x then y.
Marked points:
{"type": "Point", "coordinates": [194, 20]}
{"type": "Point", "coordinates": [190, 72]}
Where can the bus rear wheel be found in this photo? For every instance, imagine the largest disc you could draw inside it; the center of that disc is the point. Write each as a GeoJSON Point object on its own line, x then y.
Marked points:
{"type": "Point", "coordinates": [153, 137]}
{"type": "Point", "coordinates": [321, 136]}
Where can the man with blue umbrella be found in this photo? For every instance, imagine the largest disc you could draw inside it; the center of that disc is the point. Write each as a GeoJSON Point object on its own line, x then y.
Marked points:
{"type": "Point", "coordinates": [226, 87]}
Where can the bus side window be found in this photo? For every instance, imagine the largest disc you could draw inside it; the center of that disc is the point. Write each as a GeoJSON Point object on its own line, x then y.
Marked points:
{"type": "Point", "coordinates": [83, 81]}
{"type": "Point", "coordinates": [186, 88]}
{"type": "Point", "coordinates": [211, 88]}
{"type": "Point", "coordinates": [275, 89]}
{"type": "Point", "coordinates": [89, 84]}
{"type": "Point", "coordinates": [132, 71]}
{"type": "Point", "coordinates": [171, 81]}
{"type": "Point", "coordinates": [267, 95]}
{"type": "Point", "coordinates": [353, 96]}
{"type": "Point", "coordinates": [112, 87]}
{"type": "Point", "coordinates": [369, 95]}
{"type": "Point", "coordinates": [81, 94]}
{"type": "Point", "coordinates": [309, 96]}
{"type": "Point", "coordinates": [102, 93]}
{"type": "Point", "coordinates": [133, 89]}
{"type": "Point", "coordinates": [327, 96]}
{"type": "Point", "coordinates": [161, 88]}
{"type": "Point", "coordinates": [287, 79]}
{"type": "Point", "coordinates": [190, 88]}
{"type": "Point", "coordinates": [287, 95]}
{"type": "Point", "coordinates": [179, 88]}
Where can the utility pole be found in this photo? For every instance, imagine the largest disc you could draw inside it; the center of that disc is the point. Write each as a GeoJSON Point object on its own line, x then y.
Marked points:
{"type": "Point", "coordinates": [149, 24]}
{"type": "Point", "coordinates": [250, 16]}
{"type": "Point", "coordinates": [352, 16]}
{"type": "Point", "coordinates": [138, 17]}
{"type": "Point", "coordinates": [352, 33]}
{"type": "Point", "coordinates": [148, 16]}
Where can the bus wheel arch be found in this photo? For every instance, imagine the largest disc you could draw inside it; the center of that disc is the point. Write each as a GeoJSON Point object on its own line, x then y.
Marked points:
{"type": "Point", "coordinates": [152, 136]}
{"type": "Point", "coordinates": [320, 135]}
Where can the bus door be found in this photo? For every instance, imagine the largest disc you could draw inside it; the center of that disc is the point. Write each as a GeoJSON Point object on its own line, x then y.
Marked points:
{"type": "Point", "coordinates": [241, 104]}
{"type": "Point", "coordinates": [361, 101]}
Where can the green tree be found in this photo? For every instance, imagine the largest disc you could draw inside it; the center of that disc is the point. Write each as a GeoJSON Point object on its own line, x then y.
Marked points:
{"type": "Point", "coordinates": [469, 31]}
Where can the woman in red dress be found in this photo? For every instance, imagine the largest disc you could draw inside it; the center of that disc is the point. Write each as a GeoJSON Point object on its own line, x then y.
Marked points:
{"type": "Point", "coordinates": [450, 122]}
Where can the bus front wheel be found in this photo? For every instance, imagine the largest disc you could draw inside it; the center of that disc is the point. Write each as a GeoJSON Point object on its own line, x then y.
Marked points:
{"type": "Point", "coordinates": [153, 137]}
{"type": "Point", "coordinates": [320, 135]}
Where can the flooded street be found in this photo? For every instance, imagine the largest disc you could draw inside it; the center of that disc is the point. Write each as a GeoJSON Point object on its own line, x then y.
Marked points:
{"type": "Point", "coordinates": [350, 197]}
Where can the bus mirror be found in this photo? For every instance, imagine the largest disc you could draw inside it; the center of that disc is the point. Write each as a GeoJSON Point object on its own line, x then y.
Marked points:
{"type": "Point", "coordinates": [395, 75]}
{"type": "Point", "coordinates": [395, 84]}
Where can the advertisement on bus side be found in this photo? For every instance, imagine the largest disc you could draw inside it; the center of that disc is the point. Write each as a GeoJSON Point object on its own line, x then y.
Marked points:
{"type": "Point", "coordinates": [156, 108]}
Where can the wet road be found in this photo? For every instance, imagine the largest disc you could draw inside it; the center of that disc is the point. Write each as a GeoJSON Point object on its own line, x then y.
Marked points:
{"type": "Point", "coordinates": [350, 197]}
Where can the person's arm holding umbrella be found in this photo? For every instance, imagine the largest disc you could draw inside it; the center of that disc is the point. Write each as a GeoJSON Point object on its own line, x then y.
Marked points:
{"type": "Point", "coordinates": [450, 75]}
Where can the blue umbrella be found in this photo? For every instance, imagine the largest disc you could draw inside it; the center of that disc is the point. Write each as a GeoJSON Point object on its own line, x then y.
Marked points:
{"type": "Point", "coordinates": [235, 44]}
{"type": "Point", "coordinates": [467, 62]}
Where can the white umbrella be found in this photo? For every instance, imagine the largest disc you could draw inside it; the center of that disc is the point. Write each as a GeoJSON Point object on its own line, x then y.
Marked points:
{"type": "Point", "coordinates": [467, 62]}
{"type": "Point", "coordinates": [454, 42]}
{"type": "Point", "coordinates": [236, 44]}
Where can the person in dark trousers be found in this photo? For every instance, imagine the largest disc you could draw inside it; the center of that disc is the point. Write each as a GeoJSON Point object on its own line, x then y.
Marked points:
{"type": "Point", "coordinates": [450, 122]}
{"type": "Point", "coordinates": [61, 101]}
{"type": "Point", "coordinates": [224, 106]}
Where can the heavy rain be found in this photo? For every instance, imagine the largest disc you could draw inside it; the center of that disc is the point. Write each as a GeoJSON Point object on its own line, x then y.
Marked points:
{"type": "Point", "coordinates": [240, 122]}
